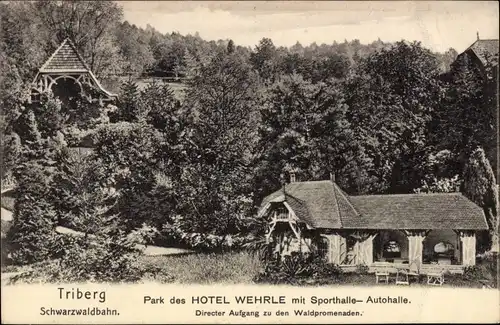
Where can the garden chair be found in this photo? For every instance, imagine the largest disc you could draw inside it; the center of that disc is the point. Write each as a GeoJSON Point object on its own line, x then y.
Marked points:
{"type": "Point", "coordinates": [402, 277]}
{"type": "Point", "coordinates": [382, 276]}
{"type": "Point", "coordinates": [435, 278]}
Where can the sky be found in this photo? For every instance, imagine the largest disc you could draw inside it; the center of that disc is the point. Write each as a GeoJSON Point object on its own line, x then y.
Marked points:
{"type": "Point", "coordinates": [439, 25]}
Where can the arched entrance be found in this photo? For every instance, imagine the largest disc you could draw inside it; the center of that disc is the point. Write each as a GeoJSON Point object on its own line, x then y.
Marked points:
{"type": "Point", "coordinates": [441, 246]}
{"type": "Point", "coordinates": [390, 246]}
{"type": "Point", "coordinates": [67, 89]}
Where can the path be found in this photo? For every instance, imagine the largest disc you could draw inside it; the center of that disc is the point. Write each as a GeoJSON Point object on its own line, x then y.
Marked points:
{"type": "Point", "coordinates": [6, 215]}
{"type": "Point", "coordinates": [148, 250]}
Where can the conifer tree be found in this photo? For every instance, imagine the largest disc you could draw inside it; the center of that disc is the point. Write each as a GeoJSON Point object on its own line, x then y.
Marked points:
{"type": "Point", "coordinates": [128, 106]}
{"type": "Point", "coordinates": [32, 236]}
{"type": "Point", "coordinates": [480, 187]}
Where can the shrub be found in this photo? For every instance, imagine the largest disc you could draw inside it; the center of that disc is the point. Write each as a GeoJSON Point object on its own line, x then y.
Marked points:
{"type": "Point", "coordinates": [362, 269]}
{"type": "Point", "coordinates": [298, 268]}
{"type": "Point", "coordinates": [203, 241]}
{"type": "Point", "coordinates": [32, 235]}
{"type": "Point", "coordinates": [484, 270]}
{"type": "Point", "coordinates": [80, 260]}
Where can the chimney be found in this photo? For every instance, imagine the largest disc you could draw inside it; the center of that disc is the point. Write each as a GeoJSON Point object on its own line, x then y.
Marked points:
{"type": "Point", "coordinates": [292, 177]}
{"type": "Point", "coordinates": [477, 33]}
{"type": "Point", "coordinates": [332, 177]}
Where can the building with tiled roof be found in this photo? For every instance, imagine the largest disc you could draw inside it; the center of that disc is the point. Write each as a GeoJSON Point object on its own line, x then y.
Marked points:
{"type": "Point", "coordinates": [483, 53]}
{"type": "Point", "coordinates": [354, 230]}
{"type": "Point", "coordinates": [64, 73]}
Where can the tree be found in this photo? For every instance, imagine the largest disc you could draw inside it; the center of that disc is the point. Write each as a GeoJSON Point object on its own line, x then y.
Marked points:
{"type": "Point", "coordinates": [32, 236]}
{"type": "Point", "coordinates": [467, 117]}
{"type": "Point", "coordinates": [480, 187]}
{"type": "Point", "coordinates": [264, 58]}
{"type": "Point", "coordinates": [134, 48]}
{"type": "Point", "coordinates": [90, 25]}
{"type": "Point", "coordinates": [11, 153]}
{"type": "Point", "coordinates": [304, 129]}
{"type": "Point", "coordinates": [230, 46]}
{"type": "Point", "coordinates": [214, 184]}
{"type": "Point", "coordinates": [50, 118]}
{"type": "Point", "coordinates": [128, 106]}
{"type": "Point", "coordinates": [85, 201]}
{"type": "Point", "coordinates": [391, 96]}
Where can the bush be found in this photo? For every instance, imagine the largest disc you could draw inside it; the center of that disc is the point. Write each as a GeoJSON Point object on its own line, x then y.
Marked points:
{"type": "Point", "coordinates": [81, 260]}
{"type": "Point", "coordinates": [204, 242]}
{"type": "Point", "coordinates": [297, 269]}
{"type": "Point", "coordinates": [362, 269]}
{"type": "Point", "coordinates": [485, 270]}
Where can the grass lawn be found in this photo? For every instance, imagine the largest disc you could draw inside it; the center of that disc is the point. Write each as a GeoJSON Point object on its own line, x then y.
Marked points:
{"type": "Point", "coordinates": [241, 268]}
{"type": "Point", "coordinates": [177, 87]}
{"type": "Point", "coordinates": [228, 268]}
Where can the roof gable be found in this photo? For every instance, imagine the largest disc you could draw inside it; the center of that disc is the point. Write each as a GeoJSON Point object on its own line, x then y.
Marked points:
{"type": "Point", "coordinates": [485, 50]}
{"type": "Point", "coordinates": [65, 59]}
{"type": "Point", "coordinates": [320, 204]}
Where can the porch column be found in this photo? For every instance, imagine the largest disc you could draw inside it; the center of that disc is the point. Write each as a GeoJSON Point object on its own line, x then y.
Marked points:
{"type": "Point", "coordinates": [334, 243]}
{"type": "Point", "coordinates": [468, 239]}
{"type": "Point", "coordinates": [366, 251]}
{"type": "Point", "coordinates": [415, 246]}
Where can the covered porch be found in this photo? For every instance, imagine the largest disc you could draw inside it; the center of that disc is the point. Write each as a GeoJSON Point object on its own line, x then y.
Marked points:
{"type": "Point", "coordinates": [424, 251]}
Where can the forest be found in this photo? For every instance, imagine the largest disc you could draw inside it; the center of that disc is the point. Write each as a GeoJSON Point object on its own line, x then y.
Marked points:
{"type": "Point", "coordinates": [185, 160]}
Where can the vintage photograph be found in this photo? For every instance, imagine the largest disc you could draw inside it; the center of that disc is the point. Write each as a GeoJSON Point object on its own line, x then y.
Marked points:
{"type": "Point", "coordinates": [301, 143]}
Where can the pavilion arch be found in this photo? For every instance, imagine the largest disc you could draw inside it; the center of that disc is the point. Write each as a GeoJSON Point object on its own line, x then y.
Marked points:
{"type": "Point", "coordinates": [449, 251]}
{"type": "Point", "coordinates": [390, 246]}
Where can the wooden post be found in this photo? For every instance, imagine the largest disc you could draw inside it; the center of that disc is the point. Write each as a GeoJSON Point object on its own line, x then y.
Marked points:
{"type": "Point", "coordinates": [333, 248]}
{"type": "Point", "coordinates": [468, 239]}
{"type": "Point", "coordinates": [366, 251]}
{"type": "Point", "coordinates": [416, 246]}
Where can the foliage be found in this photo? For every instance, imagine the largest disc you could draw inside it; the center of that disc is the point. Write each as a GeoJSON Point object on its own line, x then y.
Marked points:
{"type": "Point", "coordinates": [214, 195]}
{"type": "Point", "coordinates": [11, 153]}
{"type": "Point", "coordinates": [485, 271]}
{"type": "Point", "coordinates": [32, 236]}
{"type": "Point", "coordinates": [480, 187]}
{"type": "Point", "coordinates": [174, 232]}
{"type": "Point", "coordinates": [297, 267]}
{"type": "Point", "coordinates": [85, 201]}
{"type": "Point", "coordinates": [362, 269]}
{"type": "Point", "coordinates": [391, 97]}
{"type": "Point", "coordinates": [467, 115]}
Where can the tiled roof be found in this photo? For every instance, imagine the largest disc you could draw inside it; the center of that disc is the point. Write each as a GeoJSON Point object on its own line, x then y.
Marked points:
{"type": "Point", "coordinates": [65, 59]}
{"type": "Point", "coordinates": [419, 211]}
{"type": "Point", "coordinates": [485, 49]}
{"type": "Point", "coordinates": [322, 204]}
{"type": "Point", "coordinates": [318, 203]}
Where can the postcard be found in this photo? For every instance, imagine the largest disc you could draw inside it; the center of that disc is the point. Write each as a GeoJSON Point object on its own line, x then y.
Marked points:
{"type": "Point", "coordinates": [270, 162]}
